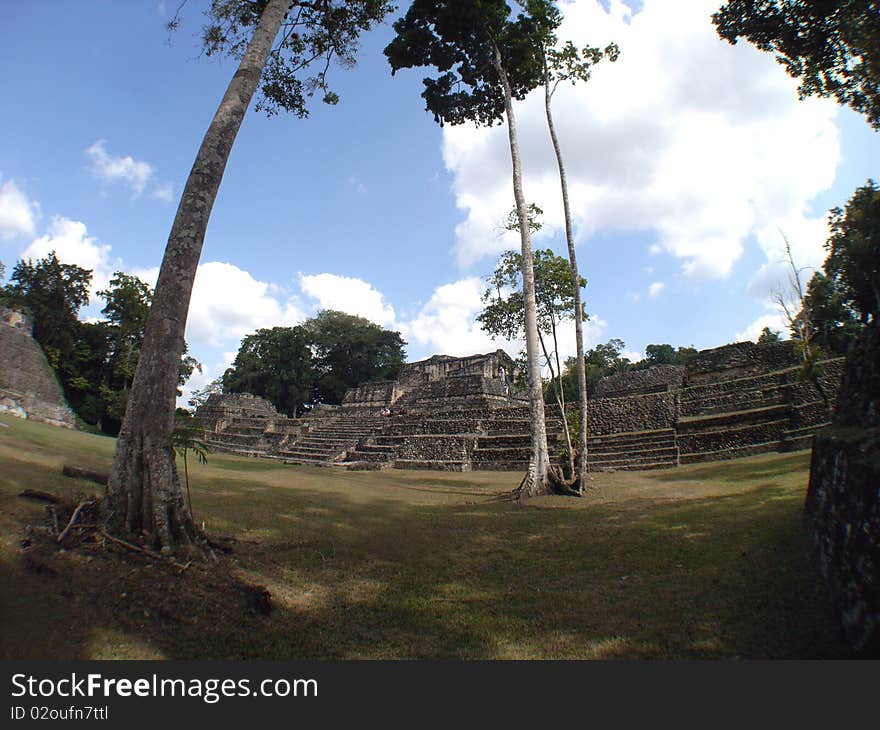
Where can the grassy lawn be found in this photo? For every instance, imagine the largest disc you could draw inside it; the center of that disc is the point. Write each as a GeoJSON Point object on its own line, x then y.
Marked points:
{"type": "Point", "coordinates": [705, 561]}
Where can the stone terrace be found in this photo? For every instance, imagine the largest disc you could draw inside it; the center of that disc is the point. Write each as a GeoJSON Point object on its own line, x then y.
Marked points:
{"type": "Point", "coordinates": [461, 414]}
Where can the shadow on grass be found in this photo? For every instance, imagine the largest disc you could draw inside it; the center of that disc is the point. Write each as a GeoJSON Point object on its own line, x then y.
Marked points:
{"type": "Point", "coordinates": [720, 577]}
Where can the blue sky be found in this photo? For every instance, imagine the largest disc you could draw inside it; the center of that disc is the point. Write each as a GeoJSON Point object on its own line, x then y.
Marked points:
{"type": "Point", "coordinates": [687, 157]}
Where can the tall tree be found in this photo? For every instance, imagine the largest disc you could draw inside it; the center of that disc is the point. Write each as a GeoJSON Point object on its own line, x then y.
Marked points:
{"type": "Point", "coordinates": [569, 63]}
{"type": "Point", "coordinates": [277, 364]}
{"type": "Point", "coordinates": [350, 350]}
{"type": "Point", "coordinates": [53, 293]}
{"type": "Point", "coordinates": [503, 314]}
{"type": "Point", "coordinates": [854, 251]}
{"type": "Point", "coordinates": [832, 47]}
{"type": "Point", "coordinates": [486, 58]}
{"type": "Point", "coordinates": [144, 492]}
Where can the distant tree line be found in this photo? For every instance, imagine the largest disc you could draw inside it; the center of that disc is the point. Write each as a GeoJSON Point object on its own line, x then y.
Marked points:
{"type": "Point", "coordinates": [94, 361]}
{"type": "Point", "coordinates": [314, 362]}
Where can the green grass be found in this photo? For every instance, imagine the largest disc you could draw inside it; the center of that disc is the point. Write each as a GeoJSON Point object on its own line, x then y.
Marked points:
{"type": "Point", "coordinates": [705, 561]}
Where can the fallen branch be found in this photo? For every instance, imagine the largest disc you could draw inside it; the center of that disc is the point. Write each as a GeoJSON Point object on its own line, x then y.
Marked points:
{"type": "Point", "coordinates": [139, 549]}
{"type": "Point", "coordinates": [79, 472]}
{"type": "Point", "coordinates": [42, 496]}
{"type": "Point", "coordinates": [73, 517]}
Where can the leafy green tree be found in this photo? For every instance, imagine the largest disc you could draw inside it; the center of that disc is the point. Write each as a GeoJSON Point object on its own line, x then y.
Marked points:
{"type": "Point", "coordinates": [144, 492]}
{"type": "Point", "coordinates": [767, 335]}
{"type": "Point", "coordinates": [833, 322]}
{"type": "Point", "coordinates": [276, 364]}
{"type": "Point", "coordinates": [185, 438]}
{"type": "Point", "coordinates": [485, 57]}
{"type": "Point", "coordinates": [832, 47]}
{"type": "Point", "coordinates": [854, 251]}
{"type": "Point", "coordinates": [503, 314]}
{"type": "Point", "coordinates": [53, 293]}
{"type": "Point", "coordinates": [350, 350]}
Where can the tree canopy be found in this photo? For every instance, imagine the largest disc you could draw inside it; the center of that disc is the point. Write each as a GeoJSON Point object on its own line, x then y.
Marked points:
{"type": "Point", "coordinates": [832, 47]}
{"type": "Point", "coordinates": [94, 361]}
{"type": "Point", "coordinates": [315, 362]}
{"type": "Point", "coordinates": [460, 39]}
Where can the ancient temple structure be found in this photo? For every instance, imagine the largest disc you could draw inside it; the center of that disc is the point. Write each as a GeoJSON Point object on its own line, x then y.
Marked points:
{"type": "Point", "coordinates": [466, 414]}
{"type": "Point", "coordinates": [28, 387]}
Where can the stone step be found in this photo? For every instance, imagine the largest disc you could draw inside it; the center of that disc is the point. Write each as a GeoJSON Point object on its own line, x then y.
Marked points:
{"type": "Point", "coordinates": [724, 454]}
{"type": "Point", "coordinates": [651, 455]}
{"type": "Point", "coordinates": [726, 420]}
{"type": "Point", "coordinates": [370, 456]}
{"type": "Point", "coordinates": [631, 437]}
{"type": "Point", "coordinates": [434, 464]}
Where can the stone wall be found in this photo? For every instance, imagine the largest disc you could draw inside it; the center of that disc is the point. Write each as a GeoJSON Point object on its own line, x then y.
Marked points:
{"type": "Point", "coordinates": [843, 499]}
{"type": "Point", "coordinates": [28, 387]}
{"type": "Point", "coordinates": [739, 360]}
{"type": "Point", "coordinates": [439, 381]}
{"type": "Point", "coordinates": [634, 413]}
{"type": "Point", "coordinates": [658, 379]}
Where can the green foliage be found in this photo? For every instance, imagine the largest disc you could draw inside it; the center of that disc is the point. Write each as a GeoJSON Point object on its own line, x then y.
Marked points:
{"type": "Point", "coordinates": [833, 323]}
{"type": "Point", "coordinates": [462, 41]}
{"type": "Point", "coordinates": [315, 362]}
{"type": "Point", "coordinates": [503, 314]}
{"type": "Point", "coordinates": [832, 47]}
{"type": "Point", "coordinates": [314, 34]}
{"type": "Point", "coordinates": [665, 354]}
{"type": "Point", "coordinates": [351, 350]}
{"type": "Point", "coordinates": [768, 335]}
{"type": "Point", "coordinates": [94, 361]}
{"type": "Point", "coordinates": [276, 364]}
{"type": "Point", "coordinates": [53, 293]}
{"type": "Point", "coordinates": [854, 251]}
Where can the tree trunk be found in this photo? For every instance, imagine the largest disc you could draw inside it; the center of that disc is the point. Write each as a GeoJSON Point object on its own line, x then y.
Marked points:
{"type": "Point", "coordinates": [560, 397]}
{"type": "Point", "coordinates": [582, 462]}
{"type": "Point", "coordinates": [144, 492]}
{"type": "Point", "coordinates": [537, 482]}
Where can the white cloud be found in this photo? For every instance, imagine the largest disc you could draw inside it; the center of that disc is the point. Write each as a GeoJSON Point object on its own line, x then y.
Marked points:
{"type": "Point", "coordinates": [18, 214]}
{"type": "Point", "coordinates": [72, 245]}
{"type": "Point", "coordinates": [446, 325]}
{"type": "Point", "coordinates": [774, 320]}
{"type": "Point", "coordinates": [348, 294]}
{"type": "Point", "coordinates": [700, 142]}
{"type": "Point", "coordinates": [655, 289]}
{"type": "Point", "coordinates": [228, 303]}
{"type": "Point", "coordinates": [163, 191]}
{"type": "Point", "coordinates": [134, 173]}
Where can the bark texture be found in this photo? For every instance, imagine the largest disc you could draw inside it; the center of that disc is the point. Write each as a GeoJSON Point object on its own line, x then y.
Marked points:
{"type": "Point", "coordinates": [582, 461]}
{"type": "Point", "coordinates": [144, 491]}
{"type": "Point", "coordinates": [537, 482]}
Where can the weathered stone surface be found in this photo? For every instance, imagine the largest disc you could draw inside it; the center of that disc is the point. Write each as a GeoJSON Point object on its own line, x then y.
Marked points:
{"type": "Point", "coordinates": [843, 500]}
{"type": "Point", "coordinates": [739, 360]}
{"type": "Point", "coordinates": [658, 379]}
{"type": "Point", "coordinates": [28, 387]}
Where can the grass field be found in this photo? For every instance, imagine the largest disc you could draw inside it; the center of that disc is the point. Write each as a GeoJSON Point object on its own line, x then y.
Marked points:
{"type": "Point", "coordinates": [705, 561]}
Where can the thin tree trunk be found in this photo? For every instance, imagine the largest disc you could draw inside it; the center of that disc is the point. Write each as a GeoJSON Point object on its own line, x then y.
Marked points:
{"type": "Point", "coordinates": [537, 482]}
{"type": "Point", "coordinates": [560, 400]}
{"type": "Point", "coordinates": [144, 492]}
{"type": "Point", "coordinates": [582, 462]}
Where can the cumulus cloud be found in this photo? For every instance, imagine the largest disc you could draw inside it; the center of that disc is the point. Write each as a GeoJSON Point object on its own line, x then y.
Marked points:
{"type": "Point", "coordinates": [229, 303]}
{"type": "Point", "coordinates": [774, 320]}
{"type": "Point", "coordinates": [698, 142]}
{"type": "Point", "coordinates": [446, 324]}
{"type": "Point", "coordinates": [71, 243]}
{"type": "Point", "coordinates": [655, 289]}
{"type": "Point", "coordinates": [164, 192]}
{"type": "Point", "coordinates": [348, 294]}
{"type": "Point", "coordinates": [18, 214]}
{"type": "Point", "coordinates": [134, 173]}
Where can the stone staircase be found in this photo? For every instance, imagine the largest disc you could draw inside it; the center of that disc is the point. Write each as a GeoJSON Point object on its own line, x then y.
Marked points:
{"type": "Point", "coordinates": [612, 452]}
{"type": "Point", "coordinates": [245, 436]}
{"type": "Point", "coordinates": [330, 441]}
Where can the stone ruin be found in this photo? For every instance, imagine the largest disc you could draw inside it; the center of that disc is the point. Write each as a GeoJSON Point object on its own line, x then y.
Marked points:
{"type": "Point", "coordinates": [28, 387]}
{"type": "Point", "coordinates": [465, 414]}
{"type": "Point", "coordinates": [842, 508]}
